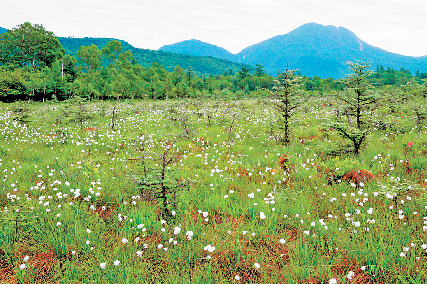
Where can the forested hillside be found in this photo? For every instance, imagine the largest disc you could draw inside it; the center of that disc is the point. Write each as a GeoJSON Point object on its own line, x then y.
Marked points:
{"type": "Point", "coordinates": [312, 49]}
{"type": "Point", "coordinates": [36, 65]}
{"type": "Point", "coordinates": [199, 48]}
{"type": "Point", "coordinates": [145, 57]}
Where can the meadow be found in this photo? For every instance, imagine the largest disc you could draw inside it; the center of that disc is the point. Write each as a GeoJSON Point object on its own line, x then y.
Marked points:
{"type": "Point", "coordinates": [197, 191]}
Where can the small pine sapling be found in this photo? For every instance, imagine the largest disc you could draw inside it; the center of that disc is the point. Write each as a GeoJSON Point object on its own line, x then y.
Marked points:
{"type": "Point", "coordinates": [358, 98]}
{"type": "Point", "coordinates": [287, 95]}
{"type": "Point", "coordinates": [158, 182]}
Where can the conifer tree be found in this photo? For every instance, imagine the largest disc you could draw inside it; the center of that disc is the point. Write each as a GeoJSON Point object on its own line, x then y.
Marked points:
{"type": "Point", "coordinates": [287, 93]}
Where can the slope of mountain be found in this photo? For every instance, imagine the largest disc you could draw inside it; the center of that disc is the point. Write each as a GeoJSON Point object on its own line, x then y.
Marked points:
{"type": "Point", "coordinates": [198, 48]}
{"type": "Point", "coordinates": [199, 64]}
{"type": "Point", "coordinates": [145, 57]}
{"type": "Point", "coordinates": [313, 49]}
{"type": "Point", "coordinates": [317, 50]}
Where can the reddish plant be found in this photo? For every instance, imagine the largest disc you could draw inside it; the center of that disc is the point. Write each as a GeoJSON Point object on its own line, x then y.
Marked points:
{"type": "Point", "coordinates": [358, 176]}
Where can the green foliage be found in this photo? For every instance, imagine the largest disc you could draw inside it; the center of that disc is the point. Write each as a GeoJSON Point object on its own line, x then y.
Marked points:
{"type": "Point", "coordinates": [22, 112]}
{"type": "Point", "coordinates": [211, 207]}
{"type": "Point", "coordinates": [112, 69]}
{"type": "Point", "coordinates": [358, 98]}
{"type": "Point", "coordinates": [288, 95]}
{"type": "Point", "coordinates": [78, 111]}
{"type": "Point", "coordinates": [89, 57]}
{"type": "Point", "coordinates": [29, 45]}
{"type": "Point", "coordinates": [157, 181]}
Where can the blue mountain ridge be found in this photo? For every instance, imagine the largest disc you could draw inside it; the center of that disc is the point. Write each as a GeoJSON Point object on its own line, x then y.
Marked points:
{"type": "Point", "coordinates": [313, 49]}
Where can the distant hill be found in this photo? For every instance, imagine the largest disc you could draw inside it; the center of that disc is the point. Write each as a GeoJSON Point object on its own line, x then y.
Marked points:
{"type": "Point", "coordinates": [199, 64]}
{"type": "Point", "coordinates": [313, 49]}
{"type": "Point", "coordinates": [145, 57]}
{"type": "Point", "coordinates": [198, 48]}
{"type": "Point", "coordinates": [317, 50]}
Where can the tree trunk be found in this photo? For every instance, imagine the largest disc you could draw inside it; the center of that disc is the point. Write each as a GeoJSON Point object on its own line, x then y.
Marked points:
{"type": "Point", "coordinates": [349, 118]}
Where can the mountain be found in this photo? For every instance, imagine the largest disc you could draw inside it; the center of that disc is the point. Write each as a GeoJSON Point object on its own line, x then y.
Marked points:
{"type": "Point", "coordinates": [313, 49]}
{"type": "Point", "coordinates": [317, 50]}
{"type": "Point", "coordinates": [199, 64]}
{"type": "Point", "coordinates": [198, 48]}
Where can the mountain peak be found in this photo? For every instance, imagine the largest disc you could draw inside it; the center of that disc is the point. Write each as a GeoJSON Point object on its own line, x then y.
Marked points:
{"type": "Point", "coordinates": [318, 50]}
{"type": "Point", "coordinates": [196, 47]}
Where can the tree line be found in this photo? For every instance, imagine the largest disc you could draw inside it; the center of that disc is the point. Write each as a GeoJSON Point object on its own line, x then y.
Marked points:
{"type": "Point", "coordinates": [34, 66]}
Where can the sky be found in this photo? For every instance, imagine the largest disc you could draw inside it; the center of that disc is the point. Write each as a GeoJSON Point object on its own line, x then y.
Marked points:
{"type": "Point", "coordinates": [398, 26]}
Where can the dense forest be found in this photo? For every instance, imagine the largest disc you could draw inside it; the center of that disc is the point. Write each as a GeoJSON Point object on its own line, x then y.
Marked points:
{"type": "Point", "coordinates": [35, 66]}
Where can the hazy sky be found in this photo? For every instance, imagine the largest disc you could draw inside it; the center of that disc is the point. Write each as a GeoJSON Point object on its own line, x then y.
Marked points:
{"type": "Point", "coordinates": [395, 25]}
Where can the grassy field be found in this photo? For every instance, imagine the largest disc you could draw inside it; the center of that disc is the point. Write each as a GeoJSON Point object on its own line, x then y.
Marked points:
{"type": "Point", "coordinates": [82, 202]}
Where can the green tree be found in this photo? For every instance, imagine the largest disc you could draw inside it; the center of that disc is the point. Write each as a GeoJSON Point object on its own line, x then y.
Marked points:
{"type": "Point", "coordinates": [89, 57]}
{"type": "Point", "coordinates": [259, 71]}
{"type": "Point", "coordinates": [288, 95]}
{"type": "Point", "coordinates": [29, 45]}
{"type": "Point", "coordinates": [112, 50]}
{"type": "Point", "coordinates": [358, 97]}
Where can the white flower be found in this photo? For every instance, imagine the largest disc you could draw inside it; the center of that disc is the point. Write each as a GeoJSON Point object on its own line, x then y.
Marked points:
{"type": "Point", "coordinates": [262, 215]}
{"type": "Point", "coordinates": [209, 248]}
{"type": "Point", "coordinates": [363, 268]}
{"type": "Point", "coordinates": [102, 265]}
{"type": "Point", "coordinates": [237, 277]}
{"type": "Point", "coordinates": [205, 214]}
{"type": "Point", "coordinates": [88, 231]}
{"type": "Point", "coordinates": [189, 234]}
{"type": "Point", "coordinates": [116, 263]}
{"type": "Point", "coordinates": [124, 241]}
{"type": "Point", "coordinates": [159, 246]}
{"type": "Point", "coordinates": [22, 266]}
{"type": "Point", "coordinates": [58, 224]}
{"type": "Point", "coordinates": [256, 264]}
{"type": "Point", "coordinates": [350, 275]}
{"type": "Point", "coordinates": [282, 241]}
{"type": "Point", "coordinates": [402, 254]}
{"type": "Point", "coordinates": [26, 258]}
{"type": "Point", "coordinates": [307, 232]}
{"type": "Point", "coordinates": [251, 195]}
{"type": "Point", "coordinates": [177, 230]}
{"type": "Point", "coordinates": [332, 281]}
{"type": "Point", "coordinates": [139, 253]}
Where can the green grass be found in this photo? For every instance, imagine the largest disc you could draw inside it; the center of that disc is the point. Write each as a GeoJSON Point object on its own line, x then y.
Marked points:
{"type": "Point", "coordinates": [69, 201]}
